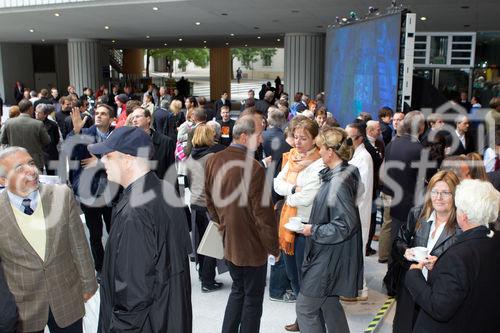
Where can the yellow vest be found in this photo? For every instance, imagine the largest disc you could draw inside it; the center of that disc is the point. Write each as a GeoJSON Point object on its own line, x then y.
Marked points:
{"type": "Point", "coordinates": [33, 228]}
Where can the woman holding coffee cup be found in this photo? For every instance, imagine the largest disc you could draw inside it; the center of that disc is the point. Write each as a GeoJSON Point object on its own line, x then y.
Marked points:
{"type": "Point", "coordinates": [429, 231]}
{"type": "Point", "coordinates": [298, 182]}
{"type": "Point", "coordinates": [333, 262]}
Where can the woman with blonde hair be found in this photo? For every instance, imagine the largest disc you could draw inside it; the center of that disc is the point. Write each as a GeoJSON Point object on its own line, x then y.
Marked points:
{"type": "Point", "coordinates": [333, 260]}
{"type": "Point", "coordinates": [476, 166]}
{"type": "Point", "coordinates": [204, 146]}
{"type": "Point", "coordinates": [174, 119]}
{"type": "Point", "coordinates": [432, 226]}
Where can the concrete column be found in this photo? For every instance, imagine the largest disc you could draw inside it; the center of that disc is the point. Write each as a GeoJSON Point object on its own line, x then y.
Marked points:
{"type": "Point", "coordinates": [133, 62]}
{"type": "Point", "coordinates": [304, 63]}
{"type": "Point", "coordinates": [220, 72]}
{"type": "Point", "coordinates": [84, 58]}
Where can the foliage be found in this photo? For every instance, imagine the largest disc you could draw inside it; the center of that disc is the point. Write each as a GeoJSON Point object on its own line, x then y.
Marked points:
{"type": "Point", "coordinates": [267, 54]}
{"type": "Point", "coordinates": [247, 56]}
{"type": "Point", "coordinates": [199, 57]}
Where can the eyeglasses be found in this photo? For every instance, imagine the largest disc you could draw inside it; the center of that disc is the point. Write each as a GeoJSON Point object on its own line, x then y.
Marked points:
{"type": "Point", "coordinates": [444, 194]}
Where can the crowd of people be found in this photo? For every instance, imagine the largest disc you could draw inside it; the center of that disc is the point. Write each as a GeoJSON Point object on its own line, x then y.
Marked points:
{"type": "Point", "coordinates": [282, 181]}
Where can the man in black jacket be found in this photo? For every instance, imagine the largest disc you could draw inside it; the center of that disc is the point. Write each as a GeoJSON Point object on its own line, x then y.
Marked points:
{"type": "Point", "coordinates": [398, 170]}
{"type": "Point", "coordinates": [461, 294]}
{"type": "Point", "coordinates": [51, 153]}
{"type": "Point", "coordinates": [145, 282]}
{"type": "Point", "coordinates": [164, 147]}
{"type": "Point", "coordinates": [8, 308]}
{"type": "Point", "coordinates": [221, 102]}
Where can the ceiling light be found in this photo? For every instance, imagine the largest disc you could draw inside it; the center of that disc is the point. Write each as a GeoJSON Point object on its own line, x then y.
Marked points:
{"type": "Point", "coordinates": [246, 45]}
{"type": "Point", "coordinates": [43, 40]}
{"type": "Point", "coordinates": [113, 41]}
{"type": "Point", "coordinates": [197, 23]}
{"type": "Point", "coordinates": [106, 27]}
{"type": "Point", "coordinates": [423, 18]}
{"type": "Point", "coordinates": [156, 9]}
{"type": "Point", "coordinates": [224, 14]}
{"type": "Point", "coordinates": [32, 30]}
{"type": "Point", "coordinates": [148, 37]}
{"type": "Point", "coordinates": [278, 40]}
{"type": "Point", "coordinates": [180, 39]}
{"type": "Point", "coordinates": [232, 35]}
{"type": "Point", "coordinates": [57, 14]}
{"type": "Point", "coordinates": [165, 44]}
{"type": "Point", "coordinates": [258, 37]}
{"type": "Point", "coordinates": [344, 19]}
{"type": "Point", "coordinates": [204, 42]}
{"type": "Point", "coordinates": [204, 47]}
{"type": "Point", "coordinates": [227, 43]}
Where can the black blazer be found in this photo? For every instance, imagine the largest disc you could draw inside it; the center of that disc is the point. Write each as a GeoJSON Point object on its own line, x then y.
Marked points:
{"type": "Point", "coordinates": [403, 149]}
{"type": "Point", "coordinates": [164, 153]}
{"type": "Point", "coordinates": [461, 294]}
{"type": "Point", "coordinates": [8, 308]}
{"type": "Point", "coordinates": [461, 150]}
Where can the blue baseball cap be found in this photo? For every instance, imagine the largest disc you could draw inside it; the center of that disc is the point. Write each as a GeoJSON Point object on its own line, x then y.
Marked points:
{"type": "Point", "coordinates": [127, 140]}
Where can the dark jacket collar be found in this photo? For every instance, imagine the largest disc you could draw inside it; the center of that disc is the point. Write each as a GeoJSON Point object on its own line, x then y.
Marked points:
{"type": "Point", "coordinates": [199, 152]}
{"type": "Point", "coordinates": [327, 174]}
{"type": "Point", "coordinates": [474, 233]}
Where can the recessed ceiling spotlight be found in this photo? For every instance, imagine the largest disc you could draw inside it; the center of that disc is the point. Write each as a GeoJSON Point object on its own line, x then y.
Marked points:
{"type": "Point", "coordinates": [224, 14]}
{"type": "Point", "coordinates": [258, 37]}
{"type": "Point", "coordinates": [205, 47]}
{"type": "Point", "coordinates": [180, 39]}
{"type": "Point", "coordinates": [344, 19]}
{"type": "Point", "coordinates": [278, 40]}
{"type": "Point", "coordinates": [246, 45]}
{"type": "Point", "coordinates": [148, 37]}
{"type": "Point", "coordinates": [32, 30]}
{"type": "Point", "coordinates": [106, 27]}
{"type": "Point", "coordinates": [204, 42]}
{"type": "Point", "coordinates": [57, 14]}
{"type": "Point", "coordinates": [197, 23]}
{"type": "Point", "coordinates": [164, 44]}
{"type": "Point", "coordinates": [43, 40]}
{"type": "Point", "coordinates": [113, 41]}
{"type": "Point", "coordinates": [156, 9]}
{"type": "Point", "coordinates": [232, 35]}
{"type": "Point", "coordinates": [423, 18]}
{"type": "Point", "coordinates": [227, 43]}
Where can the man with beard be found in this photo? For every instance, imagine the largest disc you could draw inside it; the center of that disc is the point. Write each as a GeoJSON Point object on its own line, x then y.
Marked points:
{"type": "Point", "coordinates": [66, 107]}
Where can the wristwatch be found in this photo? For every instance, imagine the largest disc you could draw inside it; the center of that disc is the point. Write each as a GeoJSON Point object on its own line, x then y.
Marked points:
{"type": "Point", "coordinates": [293, 189]}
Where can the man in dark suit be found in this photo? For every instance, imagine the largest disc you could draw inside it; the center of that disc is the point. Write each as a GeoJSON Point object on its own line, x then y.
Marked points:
{"type": "Point", "coordinates": [51, 153]}
{"type": "Point", "coordinates": [403, 150]}
{"type": "Point", "coordinates": [18, 92]}
{"type": "Point", "coordinates": [8, 308]}
{"type": "Point", "coordinates": [249, 228]}
{"type": "Point", "coordinates": [164, 147]}
{"type": "Point", "coordinates": [66, 107]}
{"type": "Point", "coordinates": [26, 132]}
{"type": "Point", "coordinates": [461, 294]}
{"type": "Point", "coordinates": [384, 118]}
{"type": "Point", "coordinates": [161, 117]}
{"type": "Point", "coordinates": [224, 100]}
{"type": "Point", "coordinates": [44, 98]}
{"type": "Point", "coordinates": [462, 137]}
{"type": "Point", "coordinates": [262, 105]}
{"type": "Point", "coordinates": [89, 180]}
{"type": "Point", "coordinates": [44, 252]}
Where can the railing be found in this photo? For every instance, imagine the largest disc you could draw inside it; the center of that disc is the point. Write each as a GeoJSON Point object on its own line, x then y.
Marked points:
{"type": "Point", "coordinates": [116, 59]}
{"type": "Point", "coordinates": [31, 3]}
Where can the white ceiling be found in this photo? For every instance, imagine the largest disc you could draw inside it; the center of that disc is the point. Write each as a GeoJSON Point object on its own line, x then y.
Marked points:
{"type": "Point", "coordinates": [131, 21]}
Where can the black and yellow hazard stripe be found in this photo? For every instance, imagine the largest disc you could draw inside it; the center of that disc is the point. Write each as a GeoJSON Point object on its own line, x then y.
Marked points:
{"type": "Point", "coordinates": [372, 326]}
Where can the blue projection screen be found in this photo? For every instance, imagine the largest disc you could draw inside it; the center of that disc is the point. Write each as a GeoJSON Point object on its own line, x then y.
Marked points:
{"type": "Point", "coordinates": [362, 62]}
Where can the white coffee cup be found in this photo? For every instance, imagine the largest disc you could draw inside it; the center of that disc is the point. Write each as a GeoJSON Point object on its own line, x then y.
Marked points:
{"type": "Point", "coordinates": [420, 253]}
{"type": "Point", "coordinates": [295, 222]}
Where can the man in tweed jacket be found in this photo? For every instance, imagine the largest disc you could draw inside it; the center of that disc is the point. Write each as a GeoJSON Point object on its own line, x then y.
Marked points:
{"type": "Point", "coordinates": [43, 250]}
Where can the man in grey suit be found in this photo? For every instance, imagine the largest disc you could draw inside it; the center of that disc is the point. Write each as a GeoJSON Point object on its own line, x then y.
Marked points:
{"type": "Point", "coordinates": [43, 250]}
{"type": "Point", "coordinates": [26, 132]}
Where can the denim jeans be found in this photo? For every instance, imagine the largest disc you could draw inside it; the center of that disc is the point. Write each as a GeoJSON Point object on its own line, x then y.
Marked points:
{"type": "Point", "coordinates": [278, 280]}
{"type": "Point", "coordinates": [293, 263]}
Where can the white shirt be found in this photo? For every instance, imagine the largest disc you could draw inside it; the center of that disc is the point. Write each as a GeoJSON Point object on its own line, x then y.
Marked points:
{"type": "Point", "coordinates": [461, 138]}
{"type": "Point", "coordinates": [489, 159]}
{"type": "Point", "coordinates": [431, 241]}
{"type": "Point", "coordinates": [363, 161]}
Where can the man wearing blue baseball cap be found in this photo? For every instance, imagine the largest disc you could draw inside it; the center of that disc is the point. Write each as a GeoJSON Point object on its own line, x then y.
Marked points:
{"type": "Point", "coordinates": [145, 282]}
